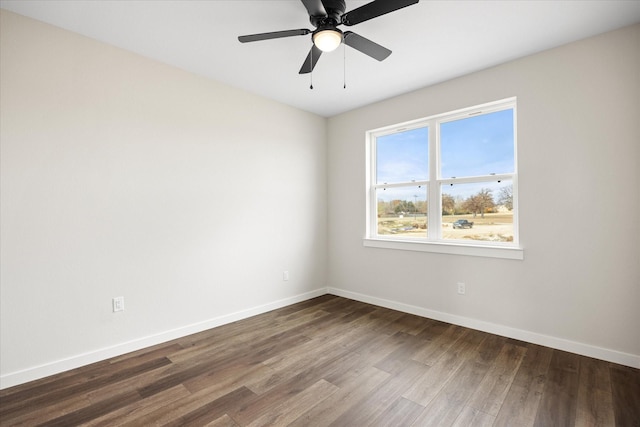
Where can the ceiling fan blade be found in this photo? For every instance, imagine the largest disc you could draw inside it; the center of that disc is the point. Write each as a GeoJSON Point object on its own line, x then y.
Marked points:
{"type": "Point", "coordinates": [366, 46]}
{"type": "Point", "coordinates": [374, 9]}
{"type": "Point", "coordinates": [273, 35]}
{"type": "Point", "coordinates": [312, 58]}
{"type": "Point", "coordinates": [314, 7]}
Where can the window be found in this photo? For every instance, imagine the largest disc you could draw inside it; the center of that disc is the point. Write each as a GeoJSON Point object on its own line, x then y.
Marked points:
{"type": "Point", "coordinates": [446, 183]}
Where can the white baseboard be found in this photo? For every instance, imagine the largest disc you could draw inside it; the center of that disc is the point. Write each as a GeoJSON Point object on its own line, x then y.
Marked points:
{"type": "Point", "coordinates": [621, 358]}
{"type": "Point", "coordinates": [45, 370]}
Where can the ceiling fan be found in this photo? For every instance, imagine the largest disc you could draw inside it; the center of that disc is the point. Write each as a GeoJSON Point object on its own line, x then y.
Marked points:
{"type": "Point", "coordinates": [325, 16]}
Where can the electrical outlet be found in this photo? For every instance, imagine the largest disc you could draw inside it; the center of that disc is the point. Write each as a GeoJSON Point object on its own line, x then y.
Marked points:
{"type": "Point", "coordinates": [118, 304]}
{"type": "Point", "coordinates": [461, 288]}
{"type": "Point", "coordinates": [285, 276]}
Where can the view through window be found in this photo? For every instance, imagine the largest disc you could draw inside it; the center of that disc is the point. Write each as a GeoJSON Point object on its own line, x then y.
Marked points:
{"type": "Point", "coordinates": [449, 178]}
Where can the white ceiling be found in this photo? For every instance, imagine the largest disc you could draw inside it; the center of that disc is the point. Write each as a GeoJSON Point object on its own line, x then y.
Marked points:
{"type": "Point", "coordinates": [432, 41]}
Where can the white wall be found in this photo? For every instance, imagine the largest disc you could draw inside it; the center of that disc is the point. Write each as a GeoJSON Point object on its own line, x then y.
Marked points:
{"type": "Point", "coordinates": [579, 152]}
{"type": "Point", "coordinates": [125, 177]}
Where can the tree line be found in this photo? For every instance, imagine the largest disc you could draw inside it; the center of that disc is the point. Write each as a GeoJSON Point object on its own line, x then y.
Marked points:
{"type": "Point", "coordinates": [480, 203]}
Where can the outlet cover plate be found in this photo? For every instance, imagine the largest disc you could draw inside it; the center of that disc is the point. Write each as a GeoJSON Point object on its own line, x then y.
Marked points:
{"type": "Point", "coordinates": [118, 304]}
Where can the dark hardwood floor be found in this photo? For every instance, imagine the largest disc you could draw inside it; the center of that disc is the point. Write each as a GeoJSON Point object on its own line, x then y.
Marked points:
{"type": "Point", "coordinates": [334, 361]}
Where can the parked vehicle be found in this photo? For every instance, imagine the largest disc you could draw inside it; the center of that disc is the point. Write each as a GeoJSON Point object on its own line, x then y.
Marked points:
{"type": "Point", "coordinates": [463, 223]}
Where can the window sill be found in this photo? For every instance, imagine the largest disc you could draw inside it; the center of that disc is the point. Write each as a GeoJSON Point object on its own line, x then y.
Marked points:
{"type": "Point", "coordinates": [504, 252]}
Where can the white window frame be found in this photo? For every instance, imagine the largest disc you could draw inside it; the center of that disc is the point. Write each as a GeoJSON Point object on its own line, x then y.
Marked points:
{"type": "Point", "coordinates": [434, 241]}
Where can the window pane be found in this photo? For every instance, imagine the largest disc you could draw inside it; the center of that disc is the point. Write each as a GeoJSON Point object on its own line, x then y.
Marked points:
{"type": "Point", "coordinates": [403, 156]}
{"type": "Point", "coordinates": [478, 145]}
{"type": "Point", "coordinates": [402, 211]}
{"type": "Point", "coordinates": [478, 211]}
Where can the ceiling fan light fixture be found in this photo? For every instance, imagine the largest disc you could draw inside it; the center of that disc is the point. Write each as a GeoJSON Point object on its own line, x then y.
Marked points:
{"type": "Point", "coordinates": [327, 40]}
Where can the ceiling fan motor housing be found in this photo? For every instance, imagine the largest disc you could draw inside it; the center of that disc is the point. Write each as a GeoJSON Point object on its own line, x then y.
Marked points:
{"type": "Point", "coordinates": [335, 9]}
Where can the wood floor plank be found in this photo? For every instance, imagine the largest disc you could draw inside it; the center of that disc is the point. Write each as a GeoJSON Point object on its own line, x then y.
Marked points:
{"type": "Point", "coordinates": [520, 406]}
{"type": "Point", "coordinates": [342, 400]}
{"type": "Point", "coordinates": [63, 379]}
{"type": "Point", "coordinates": [317, 344]}
{"type": "Point", "coordinates": [229, 376]}
{"type": "Point", "coordinates": [383, 320]}
{"type": "Point", "coordinates": [412, 324]}
{"type": "Point", "coordinates": [446, 406]}
{"type": "Point", "coordinates": [472, 417]}
{"type": "Point", "coordinates": [151, 353]}
{"type": "Point", "coordinates": [284, 371]}
{"type": "Point", "coordinates": [12, 406]}
{"type": "Point", "coordinates": [337, 363]}
{"type": "Point", "coordinates": [95, 410]}
{"type": "Point", "coordinates": [188, 403]}
{"type": "Point", "coordinates": [212, 410]}
{"type": "Point", "coordinates": [342, 321]}
{"type": "Point", "coordinates": [334, 361]}
{"type": "Point", "coordinates": [40, 414]}
{"type": "Point", "coordinates": [376, 320]}
{"type": "Point", "coordinates": [559, 401]}
{"type": "Point", "coordinates": [253, 354]}
{"type": "Point", "coordinates": [376, 403]}
{"type": "Point", "coordinates": [595, 401]}
{"type": "Point", "coordinates": [138, 410]}
{"type": "Point", "coordinates": [364, 356]}
{"type": "Point", "coordinates": [625, 384]}
{"type": "Point", "coordinates": [439, 344]}
{"type": "Point", "coordinates": [491, 392]}
{"type": "Point", "coordinates": [434, 329]}
{"type": "Point", "coordinates": [285, 365]}
{"type": "Point", "coordinates": [402, 412]}
{"type": "Point", "coordinates": [292, 408]}
{"type": "Point", "coordinates": [429, 384]}
{"type": "Point", "coordinates": [245, 339]}
{"type": "Point", "coordinates": [397, 359]}
{"type": "Point", "coordinates": [169, 413]}
{"type": "Point", "coordinates": [490, 349]}
{"type": "Point", "coordinates": [223, 421]}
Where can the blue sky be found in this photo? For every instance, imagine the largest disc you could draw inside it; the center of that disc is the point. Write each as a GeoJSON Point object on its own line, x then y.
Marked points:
{"type": "Point", "coordinates": [472, 146]}
{"type": "Point", "coordinates": [478, 145]}
{"type": "Point", "coordinates": [403, 156]}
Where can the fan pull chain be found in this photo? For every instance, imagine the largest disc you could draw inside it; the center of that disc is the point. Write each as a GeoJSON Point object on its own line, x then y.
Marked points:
{"type": "Point", "coordinates": [344, 65]}
{"type": "Point", "coordinates": [311, 64]}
